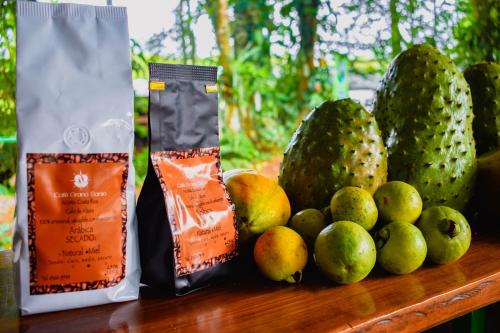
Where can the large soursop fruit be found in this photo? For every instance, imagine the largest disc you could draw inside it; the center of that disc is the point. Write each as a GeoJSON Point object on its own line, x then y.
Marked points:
{"type": "Point", "coordinates": [338, 144]}
{"type": "Point", "coordinates": [484, 82]}
{"type": "Point", "coordinates": [424, 111]}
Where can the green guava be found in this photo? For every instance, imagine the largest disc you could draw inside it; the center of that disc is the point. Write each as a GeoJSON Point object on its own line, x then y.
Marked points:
{"type": "Point", "coordinates": [345, 252]}
{"type": "Point", "coordinates": [446, 232]}
{"type": "Point", "coordinates": [398, 201]}
{"type": "Point", "coordinates": [308, 223]}
{"type": "Point", "coordinates": [401, 247]}
{"type": "Point", "coordinates": [354, 204]}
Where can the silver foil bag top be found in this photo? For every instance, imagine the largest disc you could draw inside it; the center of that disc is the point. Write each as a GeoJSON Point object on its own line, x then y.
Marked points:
{"type": "Point", "coordinates": [75, 236]}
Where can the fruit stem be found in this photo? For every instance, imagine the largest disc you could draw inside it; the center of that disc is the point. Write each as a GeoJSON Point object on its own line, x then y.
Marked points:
{"type": "Point", "coordinates": [449, 227]}
{"type": "Point", "coordinates": [382, 237]}
{"type": "Point", "coordinates": [295, 277]}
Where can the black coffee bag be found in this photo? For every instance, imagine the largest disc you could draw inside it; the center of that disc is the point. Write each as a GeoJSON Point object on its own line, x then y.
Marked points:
{"type": "Point", "coordinates": [187, 228]}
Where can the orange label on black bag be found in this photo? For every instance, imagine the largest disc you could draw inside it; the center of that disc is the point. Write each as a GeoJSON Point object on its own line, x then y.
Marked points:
{"type": "Point", "coordinates": [198, 207]}
{"type": "Point", "coordinates": [77, 214]}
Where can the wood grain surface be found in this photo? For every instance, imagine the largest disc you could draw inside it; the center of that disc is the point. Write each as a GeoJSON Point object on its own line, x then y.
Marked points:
{"type": "Point", "coordinates": [249, 303]}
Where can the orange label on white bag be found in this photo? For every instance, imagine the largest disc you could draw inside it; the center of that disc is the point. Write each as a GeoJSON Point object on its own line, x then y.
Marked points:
{"type": "Point", "coordinates": [199, 209]}
{"type": "Point", "coordinates": [77, 221]}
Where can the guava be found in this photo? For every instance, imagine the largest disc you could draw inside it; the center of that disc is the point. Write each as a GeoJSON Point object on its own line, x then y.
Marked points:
{"type": "Point", "coordinates": [308, 223]}
{"type": "Point", "coordinates": [354, 204]}
{"type": "Point", "coordinates": [446, 232]}
{"type": "Point", "coordinates": [398, 201]}
{"type": "Point", "coordinates": [260, 203]}
{"type": "Point", "coordinates": [401, 247]}
{"type": "Point", "coordinates": [281, 254]}
{"type": "Point", "coordinates": [345, 252]}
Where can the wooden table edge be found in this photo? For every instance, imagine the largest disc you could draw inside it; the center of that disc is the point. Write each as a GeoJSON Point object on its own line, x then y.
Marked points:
{"type": "Point", "coordinates": [431, 312]}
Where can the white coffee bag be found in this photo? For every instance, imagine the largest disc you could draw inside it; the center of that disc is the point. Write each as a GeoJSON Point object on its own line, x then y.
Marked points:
{"type": "Point", "coordinates": [75, 239]}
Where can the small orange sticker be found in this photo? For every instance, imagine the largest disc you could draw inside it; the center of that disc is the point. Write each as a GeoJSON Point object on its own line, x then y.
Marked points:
{"type": "Point", "coordinates": [156, 85]}
{"type": "Point", "coordinates": [211, 88]}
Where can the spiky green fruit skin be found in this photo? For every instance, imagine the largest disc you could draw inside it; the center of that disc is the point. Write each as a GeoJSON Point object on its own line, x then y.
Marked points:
{"type": "Point", "coordinates": [484, 82]}
{"type": "Point", "coordinates": [338, 144]}
{"type": "Point", "coordinates": [424, 110]}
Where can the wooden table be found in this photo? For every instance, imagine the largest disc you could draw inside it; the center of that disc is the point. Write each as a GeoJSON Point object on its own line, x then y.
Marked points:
{"type": "Point", "coordinates": [382, 302]}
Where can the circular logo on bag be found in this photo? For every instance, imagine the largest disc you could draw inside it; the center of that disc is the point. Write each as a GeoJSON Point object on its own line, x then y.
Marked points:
{"type": "Point", "coordinates": [81, 180]}
{"type": "Point", "coordinates": [76, 136]}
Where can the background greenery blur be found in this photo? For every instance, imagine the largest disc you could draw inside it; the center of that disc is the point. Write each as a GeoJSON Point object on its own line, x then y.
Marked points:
{"type": "Point", "coordinates": [277, 60]}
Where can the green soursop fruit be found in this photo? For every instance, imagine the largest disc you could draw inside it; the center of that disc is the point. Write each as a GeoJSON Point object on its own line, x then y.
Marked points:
{"type": "Point", "coordinates": [338, 144]}
{"type": "Point", "coordinates": [484, 82]}
{"type": "Point", "coordinates": [424, 110]}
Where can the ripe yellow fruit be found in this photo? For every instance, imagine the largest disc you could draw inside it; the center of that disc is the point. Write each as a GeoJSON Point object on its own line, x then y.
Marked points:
{"type": "Point", "coordinates": [281, 254]}
{"type": "Point", "coordinates": [260, 202]}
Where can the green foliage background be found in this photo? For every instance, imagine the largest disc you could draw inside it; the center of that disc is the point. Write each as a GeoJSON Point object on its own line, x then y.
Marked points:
{"type": "Point", "coordinates": [8, 151]}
